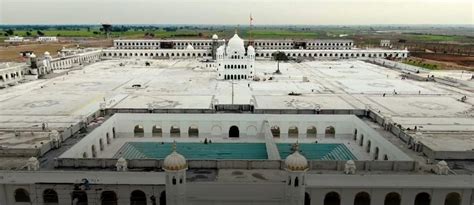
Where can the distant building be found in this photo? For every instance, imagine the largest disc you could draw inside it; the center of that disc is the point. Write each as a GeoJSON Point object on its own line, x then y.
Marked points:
{"type": "Point", "coordinates": [15, 39]}
{"type": "Point", "coordinates": [47, 39]}
{"type": "Point", "coordinates": [385, 43]}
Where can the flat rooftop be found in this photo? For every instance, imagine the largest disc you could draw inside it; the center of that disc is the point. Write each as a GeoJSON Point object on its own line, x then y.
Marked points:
{"type": "Point", "coordinates": [185, 84]}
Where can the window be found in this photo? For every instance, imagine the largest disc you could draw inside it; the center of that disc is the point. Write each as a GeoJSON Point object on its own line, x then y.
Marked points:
{"type": "Point", "coordinates": [392, 198]}
{"type": "Point", "coordinates": [138, 131]}
{"type": "Point", "coordinates": [50, 196]}
{"type": "Point", "coordinates": [362, 198]}
{"type": "Point", "coordinates": [22, 195]}
{"type": "Point", "coordinates": [330, 132]}
{"type": "Point", "coordinates": [157, 131]}
{"type": "Point", "coordinates": [193, 131]}
{"type": "Point", "coordinates": [175, 131]}
{"type": "Point", "coordinates": [293, 132]}
{"type": "Point", "coordinates": [108, 198]}
{"type": "Point", "coordinates": [311, 132]}
{"type": "Point", "coordinates": [332, 198]}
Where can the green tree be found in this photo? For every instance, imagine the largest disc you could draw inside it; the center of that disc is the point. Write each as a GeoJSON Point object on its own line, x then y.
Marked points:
{"type": "Point", "coordinates": [10, 32]}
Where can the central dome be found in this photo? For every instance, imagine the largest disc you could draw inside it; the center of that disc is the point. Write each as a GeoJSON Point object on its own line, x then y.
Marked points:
{"type": "Point", "coordinates": [235, 44]}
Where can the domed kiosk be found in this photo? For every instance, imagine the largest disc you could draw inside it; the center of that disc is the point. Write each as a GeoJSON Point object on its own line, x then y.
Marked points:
{"type": "Point", "coordinates": [175, 166]}
{"type": "Point", "coordinates": [296, 166]}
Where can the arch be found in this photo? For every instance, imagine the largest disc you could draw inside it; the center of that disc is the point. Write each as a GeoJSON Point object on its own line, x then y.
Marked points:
{"type": "Point", "coordinates": [453, 198]}
{"type": "Point", "coordinates": [369, 144]}
{"type": "Point", "coordinates": [107, 137]}
{"type": "Point", "coordinates": [392, 198]}
{"type": "Point", "coordinates": [138, 197]}
{"type": "Point", "coordinates": [293, 132]}
{"type": "Point", "coordinates": [307, 199]}
{"type": "Point", "coordinates": [108, 198]}
{"type": "Point", "coordinates": [297, 182]}
{"type": "Point", "coordinates": [101, 144]}
{"type": "Point", "coordinates": [216, 130]}
{"type": "Point", "coordinates": [175, 131]}
{"type": "Point", "coordinates": [251, 130]}
{"type": "Point", "coordinates": [330, 132]}
{"type": "Point", "coordinates": [138, 131]}
{"type": "Point", "coordinates": [234, 131]}
{"type": "Point", "coordinates": [163, 198]}
{"type": "Point", "coordinates": [79, 197]}
{"type": "Point", "coordinates": [332, 198]}
{"type": "Point", "coordinates": [355, 134]}
{"type": "Point", "coordinates": [84, 155]}
{"type": "Point", "coordinates": [193, 131]}
{"type": "Point", "coordinates": [361, 142]}
{"type": "Point", "coordinates": [113, 132]}
{"type": "Point", "coordinates": [362, 198]}
{"type": "Point", "coordinates": [94, 151]}
{"type": "Point", "coordinates": [50, 196]}
{"type": "Point", "coordinates": [21, 195]}
{"type": "Point", "coordinates": [422, 198]}
{"type": "Point", "coordinates": [311, 132]}
{"type": "Point", "coordinates": [376, 153]}
{"type": "Point", "coordinates": [156, 131]}
{"type": "Point", "coordinates": [275, 130]}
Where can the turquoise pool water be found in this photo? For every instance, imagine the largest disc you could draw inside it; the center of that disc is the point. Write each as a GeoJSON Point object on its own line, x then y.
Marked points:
{"type": "Point", "coordinates": [156, 150]}
{"type": "Point", "coordinates": [319, 151]}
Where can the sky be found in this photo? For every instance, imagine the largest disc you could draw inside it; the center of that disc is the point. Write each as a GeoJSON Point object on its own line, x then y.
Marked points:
{"type": "Point", "coordinates": [264, 12]}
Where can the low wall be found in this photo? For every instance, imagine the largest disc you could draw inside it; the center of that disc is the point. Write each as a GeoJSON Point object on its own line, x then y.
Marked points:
{"type": "Point", "coordinates": [397, 65]}
{"type": "Point", "coordinates": [358, 112]}
{"type": "Point", "coordinates": [237, 164]}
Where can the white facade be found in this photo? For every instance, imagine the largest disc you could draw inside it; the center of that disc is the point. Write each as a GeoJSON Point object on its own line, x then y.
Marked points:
{"type": "Point", "coordinates": [11, 74]}
{"type": "Point", "coordinates": [47, 39]}
{"type": "Point", "coordinates": [234, 62]}
{"type": "Point", "coordinates": [385, 43]}
{"type": "Point", "coordinates": [15, 39]}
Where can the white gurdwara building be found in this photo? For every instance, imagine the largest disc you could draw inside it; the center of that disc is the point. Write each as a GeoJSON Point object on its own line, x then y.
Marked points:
{"type": "Point", "coordinates": [234, 62]}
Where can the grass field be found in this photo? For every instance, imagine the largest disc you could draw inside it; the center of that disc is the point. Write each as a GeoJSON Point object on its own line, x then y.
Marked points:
{"type": "Point", "coordinates": [422, 64]}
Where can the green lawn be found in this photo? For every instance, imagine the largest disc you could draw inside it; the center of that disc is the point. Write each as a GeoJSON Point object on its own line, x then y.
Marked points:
{"type": "Point", "coordinates": [422, 64]}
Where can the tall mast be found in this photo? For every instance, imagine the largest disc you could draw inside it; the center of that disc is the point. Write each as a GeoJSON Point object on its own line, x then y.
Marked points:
{"type": "Point", "coordinates": [250, 29]}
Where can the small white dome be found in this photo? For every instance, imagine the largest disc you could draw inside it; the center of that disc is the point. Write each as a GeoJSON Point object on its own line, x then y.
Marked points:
{"type": "Point", "coordinates": [46, 53]}
{"type": "Point", "coordinates": [32, 159]}
{"type": "Point", "coordinates": [350, 162]}
{"type": "Point", "coordinates": [250, 50]}
{"type": "Point", "coordinates": [215, 37]}
{"type": "Point", "coordinates": [235, 44]}
{"type": "Point", "coordinates": [189, 47]}
{"type": "Point", "coordinates": [121, 160]}
{"type": "Point", "coordinates": [32, 55]}
{"type": "Point", "coordinates": [296, 161]}
{"type": "Point", "coordinates": [174, 161]}
{"type": "Point", "coordinates": [443, 163]}
{"type": "Point", "coordinates": [220, 50]}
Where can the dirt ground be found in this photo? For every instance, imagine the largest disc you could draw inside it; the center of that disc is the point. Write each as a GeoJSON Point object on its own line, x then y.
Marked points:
{"type": "Point", "coordinates": [11, 52]}
{"type": "Point", "coordinates": [447, 62]}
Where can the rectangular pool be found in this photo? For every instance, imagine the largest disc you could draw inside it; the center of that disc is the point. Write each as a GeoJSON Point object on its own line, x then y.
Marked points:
{"type": "Point", "coordinates": [318, 151]}
{"type": "Point", "coordinates": [196, 151]}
